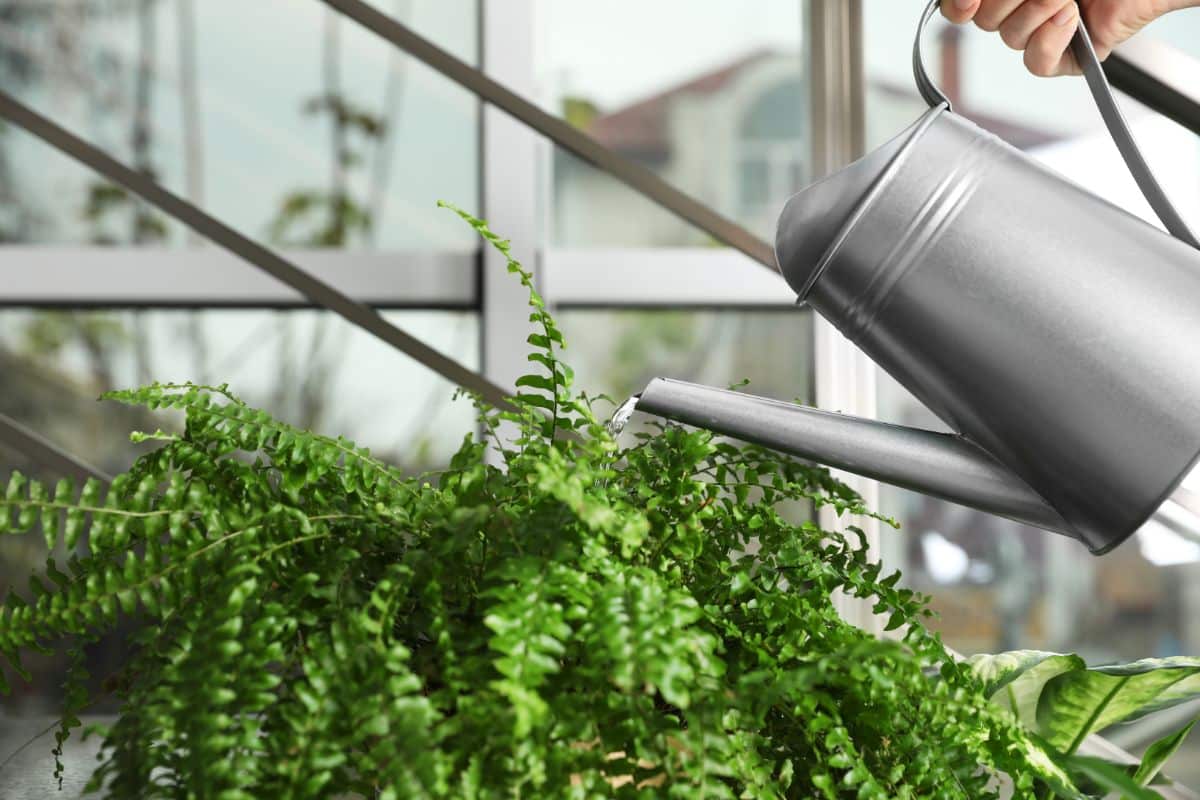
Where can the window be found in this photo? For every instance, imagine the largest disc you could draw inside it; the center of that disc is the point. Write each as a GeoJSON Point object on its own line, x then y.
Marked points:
{"type": "Point", "coordinates": [618, 352]}
{"type": "Point", "coordinates": [720, 109]}
{"type": "Point", "coordinates": [773, 148]}
{"type": "Point", "coordinates": [275, 111]}
{"type": "Point", "coordinates": [682, 99]}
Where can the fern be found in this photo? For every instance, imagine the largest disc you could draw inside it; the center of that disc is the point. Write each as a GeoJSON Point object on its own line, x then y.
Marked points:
{"type": "Point", "coordinates": [583, 620]}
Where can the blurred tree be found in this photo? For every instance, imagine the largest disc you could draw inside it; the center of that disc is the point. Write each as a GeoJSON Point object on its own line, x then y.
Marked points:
{"type": "Point", "coordinates": [579, 111]}
{"type": "Point", "coordinates": [331, 216]}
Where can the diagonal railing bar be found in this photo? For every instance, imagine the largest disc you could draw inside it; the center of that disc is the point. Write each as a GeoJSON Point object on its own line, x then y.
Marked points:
{"type": "Point", "coordinates": [316, 291]}
{"type": "Point", "coordinates": [16, 436]}
{"type": "Point", "coordinates": [637, 177]}
{"type": "Point", "coordinates": [1174, 94]}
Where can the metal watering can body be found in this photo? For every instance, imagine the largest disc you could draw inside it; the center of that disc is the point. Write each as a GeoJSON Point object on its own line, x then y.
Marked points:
{"type": "Point", "coordinates": [1056, 333]}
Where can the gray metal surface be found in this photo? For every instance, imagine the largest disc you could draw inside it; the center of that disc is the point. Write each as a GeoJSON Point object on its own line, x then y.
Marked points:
{"type": "Point", "coordinates": [934, 463]}
{"type": "Point", "coordinates": [1045, 325]}
{"type": "Point", "coordinates": [1093, 73]}
{"type": "Point", "coordinates": [929, 91]}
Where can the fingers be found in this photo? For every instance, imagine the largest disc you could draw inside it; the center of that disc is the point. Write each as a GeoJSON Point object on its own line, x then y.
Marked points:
{"type": "Point", "coordinates": [992, 13]}
{"type": "Point", "coordinates": [1111, 23]}
{"type": "Point", "coordinates": [1042, 28]}
{"type": "Point", "coordinates": [959, 11]}
{"type": "Point", "coordinates": [1046, 51]}
{"type": "Point", "coordinates": [1018, 28]}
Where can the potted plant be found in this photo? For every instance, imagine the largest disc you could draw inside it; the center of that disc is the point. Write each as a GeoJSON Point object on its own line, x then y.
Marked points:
{"type": "Point", "coordinates": [584, 620]}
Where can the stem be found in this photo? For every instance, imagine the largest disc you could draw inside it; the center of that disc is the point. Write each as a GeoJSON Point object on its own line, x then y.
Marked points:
{"type": "Point", "coordinates": [116, 512]}
{"type": "Point", "coordinates": [291, 543]}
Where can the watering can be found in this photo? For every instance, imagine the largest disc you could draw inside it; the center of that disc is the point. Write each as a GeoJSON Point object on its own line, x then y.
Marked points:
{"type": "Point", "coordinates": [1056, 334]}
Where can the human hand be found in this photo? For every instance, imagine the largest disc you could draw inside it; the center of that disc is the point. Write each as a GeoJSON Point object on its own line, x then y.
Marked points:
{"type": "Point", "coordinates": [1043, 28]}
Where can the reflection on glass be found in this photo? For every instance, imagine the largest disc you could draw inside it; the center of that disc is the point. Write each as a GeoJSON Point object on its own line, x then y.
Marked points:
{"type": "Point", "coordinates": [718, 107]}
{"type": "Point", "coordinates": [308, 368]}
{"type": "Point", "coordinates": [283, 119]}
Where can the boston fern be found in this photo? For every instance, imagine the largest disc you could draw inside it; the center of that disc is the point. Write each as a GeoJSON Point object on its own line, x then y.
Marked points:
{"type": "Point", "coordinates": [580, 619]}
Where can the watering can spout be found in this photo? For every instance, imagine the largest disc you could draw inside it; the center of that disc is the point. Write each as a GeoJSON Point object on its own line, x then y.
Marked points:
{"type": "Point", "coordinates": [937, 464]}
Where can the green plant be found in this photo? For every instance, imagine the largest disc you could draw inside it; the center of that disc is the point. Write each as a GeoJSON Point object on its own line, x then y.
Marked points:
{"type": "Point", "coordinates": [585, 620]}
{"type": "Point", "coordinates": [1063, 701]}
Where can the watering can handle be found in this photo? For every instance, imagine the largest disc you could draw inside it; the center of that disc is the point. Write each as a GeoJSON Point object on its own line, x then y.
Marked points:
{"type": "Point", "coordinates": [1085, 55]}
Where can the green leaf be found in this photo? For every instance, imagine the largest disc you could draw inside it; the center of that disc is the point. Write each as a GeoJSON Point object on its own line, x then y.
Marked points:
{"type": "Point", "coordinates": [1015, 679]}
{"type": "Point", "coordinates": [1108, 777]}
{"type": "Point", "coordinates": [538, 340]}
{"type": "Point", "coordinates": [537, 382]}
{"type": "Point", "coordinates": [536, 400]}
{"type": "Point", "coordinates": [1160, 753]}
{"type": "Point", "coordinates": [1082, 701]}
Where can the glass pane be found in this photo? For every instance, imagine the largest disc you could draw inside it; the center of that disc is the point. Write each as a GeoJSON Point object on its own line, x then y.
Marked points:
{"type": "Point", "coordinates": [618, 352]}
{"type": "Point", "coordinates": [691, 90]}
{"type": "Point", "coordinates": [997, 584]}
{"type": "Point", "coordinates": [308, 368]}
{"type": "Point", "coordinates": [285, 121]}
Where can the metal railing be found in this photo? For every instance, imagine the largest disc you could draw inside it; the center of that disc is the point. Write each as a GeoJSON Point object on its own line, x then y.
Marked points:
{"type": "Point", "coordinates": [44, 452]}
{"type": "Point", "coordinates": [1159, 77]}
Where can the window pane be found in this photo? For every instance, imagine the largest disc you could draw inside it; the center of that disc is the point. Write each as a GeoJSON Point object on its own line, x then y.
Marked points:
{"type": "Point", "coordinates": [288, 123]}
{"type": "Point", "coordinates": [618, 352]}
{"type": "Point", "coordinates": [691, 90]}
{"type": "Point", "coordinates": [308, 368]}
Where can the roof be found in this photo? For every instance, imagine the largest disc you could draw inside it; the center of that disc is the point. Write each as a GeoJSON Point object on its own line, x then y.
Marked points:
{"type": "Point", "coordinates": [641, 128]}
{"type": "Point", "coordinates": [1019, 136]}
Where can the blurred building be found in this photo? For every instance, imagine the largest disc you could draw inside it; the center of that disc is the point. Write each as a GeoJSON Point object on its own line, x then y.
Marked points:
{"type": "Point", "coordinates": [738, 137]}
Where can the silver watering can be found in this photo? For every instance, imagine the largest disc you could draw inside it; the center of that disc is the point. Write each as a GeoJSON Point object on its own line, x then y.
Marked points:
{"type": "Point", "coordinates": [1057, 334]}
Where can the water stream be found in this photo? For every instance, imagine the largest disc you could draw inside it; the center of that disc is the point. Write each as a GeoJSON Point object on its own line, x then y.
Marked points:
{"type": "Point", "coordinates": [620, 417]}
